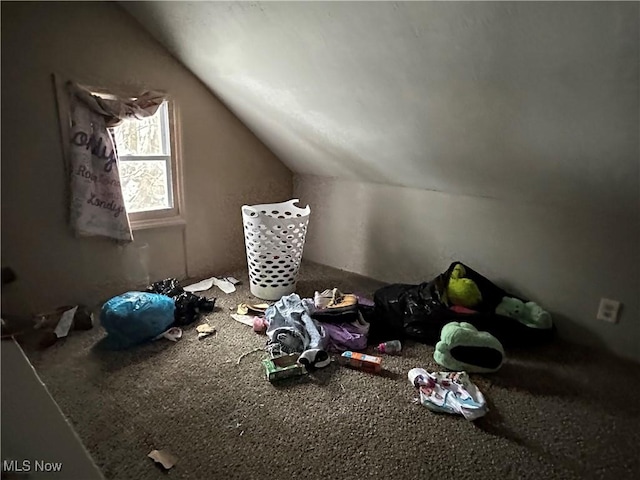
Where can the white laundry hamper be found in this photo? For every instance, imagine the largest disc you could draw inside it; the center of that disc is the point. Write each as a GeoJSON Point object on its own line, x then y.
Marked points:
{"type": "Point", "coordinates": [274, 236]}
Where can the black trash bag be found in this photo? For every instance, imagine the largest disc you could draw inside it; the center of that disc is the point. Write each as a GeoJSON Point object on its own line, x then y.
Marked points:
{"type": "Point", "coordinates": [169, 287]}
{"type": "Point", "coordinates": [407, 311]}
{"type": "Point", "coordinates": [188, 305]}
{"type": "Point", "coordinates": [419, 312]}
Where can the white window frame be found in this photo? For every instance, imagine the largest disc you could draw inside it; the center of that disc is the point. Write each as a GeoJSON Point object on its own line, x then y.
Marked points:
{"type": "Point", "coordinates": [151, 218]}
{"type": "Point", "coordinates": [165, 216]}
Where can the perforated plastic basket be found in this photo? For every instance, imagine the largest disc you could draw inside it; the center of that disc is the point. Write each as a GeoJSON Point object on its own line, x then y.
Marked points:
{"type": "Point", "coordinates": [274, 236]}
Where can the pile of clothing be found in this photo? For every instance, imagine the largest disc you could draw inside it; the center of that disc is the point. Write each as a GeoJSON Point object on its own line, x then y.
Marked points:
{"type": "Point", "coordinates": [330, 322]}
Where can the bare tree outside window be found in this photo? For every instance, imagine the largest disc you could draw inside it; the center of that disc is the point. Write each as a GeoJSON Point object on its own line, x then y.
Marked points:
{"type": "Point", "coordinates": [144, 152]}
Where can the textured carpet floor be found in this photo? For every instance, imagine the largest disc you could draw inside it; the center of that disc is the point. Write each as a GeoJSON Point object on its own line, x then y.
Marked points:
{"type": "Point", "coordinates": [556, 412]}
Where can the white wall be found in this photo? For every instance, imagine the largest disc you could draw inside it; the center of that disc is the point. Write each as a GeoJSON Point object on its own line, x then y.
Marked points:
{"type": "Point", "coordinates": [521, 101]}
{"type": "Point", "coordinates": [225, 165]}
{"type": "Point", "coordinates": [563, 258]}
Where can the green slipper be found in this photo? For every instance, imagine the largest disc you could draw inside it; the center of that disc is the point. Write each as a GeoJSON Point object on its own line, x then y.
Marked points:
{"type": "Point", "coordinates": [463, 348]}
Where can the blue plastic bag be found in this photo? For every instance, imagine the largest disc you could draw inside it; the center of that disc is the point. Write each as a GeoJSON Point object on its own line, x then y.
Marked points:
{"type": "Point", "coordinates": [135, 317]}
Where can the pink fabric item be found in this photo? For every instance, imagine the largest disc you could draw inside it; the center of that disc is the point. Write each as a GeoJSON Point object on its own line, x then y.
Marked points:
{"type": "Point", "coordinates": [259, 325]}
{"type": "Point", "coordinates": [461, 309]}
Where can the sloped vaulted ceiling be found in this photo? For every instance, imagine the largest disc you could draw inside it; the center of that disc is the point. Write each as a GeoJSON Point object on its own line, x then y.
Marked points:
{"type": "Point", "coordinates": [533, 101]}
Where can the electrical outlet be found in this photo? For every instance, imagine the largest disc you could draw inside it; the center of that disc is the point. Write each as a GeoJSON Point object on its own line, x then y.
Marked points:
{"type": "Point", "coordinates": [608, 310]}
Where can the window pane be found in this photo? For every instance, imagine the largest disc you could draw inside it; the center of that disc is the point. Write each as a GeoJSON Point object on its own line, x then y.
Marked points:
{"type": "Point", "coordinates": [145, 136]}
{"type": "Point", "coordinates": [145, 184]}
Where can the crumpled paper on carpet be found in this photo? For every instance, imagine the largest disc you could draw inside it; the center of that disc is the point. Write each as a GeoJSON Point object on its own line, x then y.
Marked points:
{"type": "Point", "coordinates": [164, 458]}
{"type": "Point", "coordinates": [205, 330]}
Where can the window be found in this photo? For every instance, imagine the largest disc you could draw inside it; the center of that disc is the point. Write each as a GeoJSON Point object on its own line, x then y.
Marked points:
{"type": "Point", "coordinates": [149, 158]}
{"type": "Point", "coordinates": [149, 168]}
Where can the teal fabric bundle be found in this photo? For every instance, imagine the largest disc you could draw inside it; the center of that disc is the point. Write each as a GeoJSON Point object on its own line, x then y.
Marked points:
{"type": "Point", "coordinates": [135, 317]}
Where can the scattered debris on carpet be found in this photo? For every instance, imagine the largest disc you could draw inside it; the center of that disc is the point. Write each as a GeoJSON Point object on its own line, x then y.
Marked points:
{"type": "Point", "coordinates": [201, 286]}
{"type": "Point", "coordinates": [64, 325]}
{"type": "Point", "coordinates": [205, 330]}
{"type": "Point", "coordinates": [257, 309]}
{"type": "Point", "coordinates": [235, 424]}
{"type": "Point", "coordinates": [470, 321]}
{"type": "Point", "coordinates": [44, 329]}
{"type": "Point", "coordinates": [392, 347]}
{"type": "Point", "coordinates": [244, 319]}
{"type": "Point", "coordinates": [164, 458]}
{"type": "Point", "coordinates": [226, 284]}
{"type": "Point", "coordinates": [434, 312]}
{"type": "Point", "coordinates": [361, 361]}
{"type": "Point", "coordinates": [285, 366]}
{"type": "Point", "coordinates": [260, 325]}
{"type": "Point", "coordinates": [248, 353]}
{"type": "Point", "coordinates": [174, 334]}
{"type": "Point", "coordinates": [252, 315]}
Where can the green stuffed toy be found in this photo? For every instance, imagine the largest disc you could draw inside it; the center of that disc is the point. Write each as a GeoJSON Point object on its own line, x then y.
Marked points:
{"type": "Point", "coordinates": [462, 291]}
{"type": "Point", "coordinates": [463, 348]}
{"type": "Point", "coordinates": [529, 313]}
